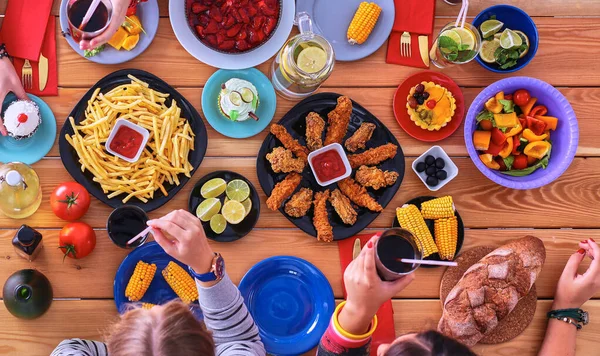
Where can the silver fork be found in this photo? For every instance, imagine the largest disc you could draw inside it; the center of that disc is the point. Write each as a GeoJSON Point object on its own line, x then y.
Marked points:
{"type": "Point", "coordinates": [405, 50]}
{"type": "Point", "coordinates": [27, 75]}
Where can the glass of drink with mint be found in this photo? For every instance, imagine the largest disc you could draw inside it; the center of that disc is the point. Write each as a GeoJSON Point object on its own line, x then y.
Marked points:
{"type": "Point", "coordinates": [455, 45]}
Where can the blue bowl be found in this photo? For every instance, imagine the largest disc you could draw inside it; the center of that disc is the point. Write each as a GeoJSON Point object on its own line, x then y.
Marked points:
{"type": "Point", "coordinates": [515, 19]}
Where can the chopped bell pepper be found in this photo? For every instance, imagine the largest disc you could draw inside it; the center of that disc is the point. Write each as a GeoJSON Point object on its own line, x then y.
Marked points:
{"type": "Point", "coordinates": [506, 120]}
{"type": "Point", "coordinates": [537, 126]}
{"type": "Point", "coordinates": [508, 147]}
{"type": "Point", "coordinates": [537, 149]}
{"type": "Point", "coordinates": [514, 131]}
{"type": "Point", "coordinates": [498, 137]}
{"type": "Point", "coordinates": [481, 140]}
{"type": "Point", "coordinates": [531, 160]}
{"type": "Point", "coordinates": [486, 125]}
{"type": "Point", "coordinates": [493, 106]}
{"type": "Point", "coordinates": [516, 144]}
{"type": "Point", "coordinates": [494, 149]}
{"type": "Point", "coordinates": [526, 109]}
{"type": "Point", "coordinates": [499, 95]}
{"type": "Point", "coordinates": [489, 162]}
{"type": "Point", "coordinates": [532, 137]}
{"type": "Point", "coordinates": [538, 111]}
{"type": "Point", "coordinates": [551, 121]}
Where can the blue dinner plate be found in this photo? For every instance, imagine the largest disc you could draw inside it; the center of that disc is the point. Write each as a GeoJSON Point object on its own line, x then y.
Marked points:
{"type": "Point", "coordinates": [291, 302]}
{"type": "Point", "coordinates": [34, 148]}
{"type": "Point", "coordinates": [243, 129]}
{"type": "Point", "coordinates": [148, 14]}
{"type": "Point", "coordinates": [331, 19]}
{"type": "Point", "coordinates": [159, 291]}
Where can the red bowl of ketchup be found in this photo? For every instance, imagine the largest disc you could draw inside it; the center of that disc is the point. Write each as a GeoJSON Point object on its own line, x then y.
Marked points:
{"type": "Point", "coordinates": [329, 164]}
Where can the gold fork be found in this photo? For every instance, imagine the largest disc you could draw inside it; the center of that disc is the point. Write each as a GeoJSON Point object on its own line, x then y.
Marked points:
{"type": "Point", "coordinates": [27, 75]}
{"type": "Point", "coordinates": [405, 50]}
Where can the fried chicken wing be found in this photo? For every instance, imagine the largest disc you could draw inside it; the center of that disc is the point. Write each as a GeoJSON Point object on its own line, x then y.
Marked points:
{"type": "Point", "coordinates": [320, 218]}
{"type": "Point", "coordinates": [338, 121]}
{"type": "Point", "coordinates": [289, 142]}
{"type": "Point", "coordinates": [373, 156]}
{"type": "Point", "coordinates": [358, 194]}
{"type": "Point", "coordinates": [283, 190]}
{"type": "Point", "coordinates": [299, 204]}
{"type": "Point", "coordinates": [282, 161]}
{"type": "Point", "coordinates": [360, 137]}
{"type": "Point", "coordinates": [314, 131]}
{"type": "Point", "coordinates": [374, 177]}
{"type": "Point", "coordinates": [343, 207]}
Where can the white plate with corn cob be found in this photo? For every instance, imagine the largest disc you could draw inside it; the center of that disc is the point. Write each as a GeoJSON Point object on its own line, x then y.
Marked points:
{"type": "Point", "coordinates": [435, 222]}
{"type": "Point", "coordinates": [150, 277]}
{"type": "Point", "coordinates": [354, 32]}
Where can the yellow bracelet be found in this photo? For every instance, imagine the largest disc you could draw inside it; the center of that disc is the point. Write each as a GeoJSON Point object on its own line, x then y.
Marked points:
{"type": "Point", "coordinates": [344, 333]}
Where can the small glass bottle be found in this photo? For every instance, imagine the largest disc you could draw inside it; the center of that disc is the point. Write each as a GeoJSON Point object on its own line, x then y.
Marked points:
{"type": "Point", "coordinates": [27, 243]}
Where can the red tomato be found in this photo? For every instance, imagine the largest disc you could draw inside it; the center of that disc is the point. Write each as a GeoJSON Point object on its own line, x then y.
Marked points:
{"type": "Point", "coordinates": [537, 126]}
{"type": "Point", "coordinates": [498, 137]}
{"type": "Point", "coordinates": [70, 201]}
{"type": "Point", "coordinates": [500, 161]}
{"type": "Point", "coordinates": [520, 162]}
{"type": "Point", "coordinates": [521, 97]}
{"type": "Point", "coordinates": [77, 240]}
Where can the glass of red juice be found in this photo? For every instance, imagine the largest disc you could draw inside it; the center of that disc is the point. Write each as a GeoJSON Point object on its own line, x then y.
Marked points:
{"type": "Point", "coordinates": [394, 245]}
{"type": "Point", "coordinates": [76, 10]}
{"type": "Point", "coordinates": [124, 223]}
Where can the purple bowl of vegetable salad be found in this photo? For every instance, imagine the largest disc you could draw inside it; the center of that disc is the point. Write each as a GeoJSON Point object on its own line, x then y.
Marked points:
{"type": "Point", "coordinates": [546, 138]}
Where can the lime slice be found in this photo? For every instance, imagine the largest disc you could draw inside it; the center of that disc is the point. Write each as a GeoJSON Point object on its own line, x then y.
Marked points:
{"type": "Point", "coordinates": [235, 98]}
{"type": "Point", "coordinates": [525, 41]}
{"type": "Point", "coordinates": [490, 27]}
{"type": "Point", "coordinates": [233, 212]}
{"type": "Point", "coordinates": [453, 35]}
{"type": "Point", "coordinates": [488, 48]}
{"type": "Point", "coordinates": [498, 35]}
{"type": "Point", "coordinates": [213, 188]}
{"type": "Point", "coordinates": [247, 95]}
{"type": "Point", "coordinates": [510, 39]}
{"type": "Point", "coordinates": [218, 223]}
{"type": "Point", "coordinates": [312, 59]}
{"type": "Point", "coordinates": [467, 37]}
{"type": "Point", "coordinates": [247, 206]}
{"type": "Point", "coordinates": [208, 208]}
{"type": "Point", "coordinates": [238, 190]}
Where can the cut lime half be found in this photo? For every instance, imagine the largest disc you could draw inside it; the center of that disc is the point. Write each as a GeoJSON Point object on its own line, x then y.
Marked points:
{"type": "Point", "coordinates": [510, 39]}
{"type": "Point", "coordinates": [247, 95]}
{"type": "Point", "coordinates": [213, 188]}
{"type": "Point", "coordinates": [234, 212]}
{"type": "Point", "coordinates": [525, 41]}
{"type": "Point", "coordinates": [247, 206]}
{"type": "Point", "coordinates": [208, 208]}
{"type": "Point", "coordinates": [238, 190]}
{"type": "Point", "coordinates": [467, 37]}
{"type": "Point", "coordinates": [218, 224]}
{"type": "Point", "coordinates": [490, 27]}
{"type": "Point", "coordinates": [453, 35]}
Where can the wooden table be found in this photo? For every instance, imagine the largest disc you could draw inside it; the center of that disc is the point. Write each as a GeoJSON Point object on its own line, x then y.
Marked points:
{"type": "Point", "coordinates": [561, 213]}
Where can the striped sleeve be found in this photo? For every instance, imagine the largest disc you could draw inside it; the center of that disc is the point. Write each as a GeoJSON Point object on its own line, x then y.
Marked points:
{"type": "Point", "coordinates": [334, 344]}
{"type": "Point", "coordinates": [80, 347]}
{"type": "Point", "coordinates": [225, 314]}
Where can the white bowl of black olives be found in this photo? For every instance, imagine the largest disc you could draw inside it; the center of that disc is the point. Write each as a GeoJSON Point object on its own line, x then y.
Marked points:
{"type": "Point", "coordinates": [435, 168]}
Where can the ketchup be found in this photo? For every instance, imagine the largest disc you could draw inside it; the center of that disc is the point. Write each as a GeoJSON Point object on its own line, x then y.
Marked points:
{"type": "Point", "coordinates": [126, 142]}
{"type": "Point", "coordinates": [328, 165]}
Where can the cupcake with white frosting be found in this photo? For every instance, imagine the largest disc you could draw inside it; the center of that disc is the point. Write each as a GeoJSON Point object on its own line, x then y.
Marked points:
{"type": "Point", "coordinates": [22, 119]}
{"type": "Point", "coordinates": [238, 100]}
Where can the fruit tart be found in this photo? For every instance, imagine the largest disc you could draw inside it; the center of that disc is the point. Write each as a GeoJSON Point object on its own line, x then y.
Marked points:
{"type": "Point", "coordinates": [430, 106]}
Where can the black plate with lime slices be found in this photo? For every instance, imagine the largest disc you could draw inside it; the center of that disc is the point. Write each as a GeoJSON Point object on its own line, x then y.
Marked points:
{"type": "Point", "coordinates": [232, 232]}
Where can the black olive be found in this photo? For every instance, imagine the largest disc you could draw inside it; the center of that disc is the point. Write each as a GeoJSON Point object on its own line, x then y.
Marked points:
{"type": "Point", "coordinates": [420, 100]}
{"type": "Point", "coordinates": [441, 174]}
{"type": "Point", "coordinates": [432, 181]}
{"type": "Point", "coordinates": [440, 163]}
{"type": "Point", "coordinates": [420, 88]}
{"type": "Point", "coordinates": [425, 95]}
{"type": "Point", "coordinates": [430, 171]}
{"type": "Point", "coordinates": [421, 167]}
{"type": "Point", "coordinates": [416, 95]}
{"type": "Point", "coordinates": [429, 160]}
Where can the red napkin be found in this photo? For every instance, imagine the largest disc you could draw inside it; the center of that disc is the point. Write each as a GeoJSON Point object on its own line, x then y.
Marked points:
{"type": "Point", "coordinates": [49, 51]}
{"type": "Point", "coordinates": [385, 332]}
{"type": "Point", "coordinates": [24, 27]}
{"type": "Point", "coordinates": [414, 16]}
{"type": "Point", "coordinates": [393, 52]}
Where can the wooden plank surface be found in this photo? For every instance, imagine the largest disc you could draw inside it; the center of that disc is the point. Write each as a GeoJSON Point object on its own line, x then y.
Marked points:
{"type": "Point", "coordinates": [92, 318]}
{"type": "Point", "coordinates": [93, 276]}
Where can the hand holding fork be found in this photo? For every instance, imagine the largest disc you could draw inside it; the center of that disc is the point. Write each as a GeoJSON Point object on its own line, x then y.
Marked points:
{"type": "Point", "coordinates": [9, 82]}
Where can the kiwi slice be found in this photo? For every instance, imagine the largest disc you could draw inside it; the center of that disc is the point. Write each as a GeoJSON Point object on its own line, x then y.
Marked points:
{"type": "Point", "coordinates": [235, 98]}
{"type": "Point", "coordinates": [247, 95]}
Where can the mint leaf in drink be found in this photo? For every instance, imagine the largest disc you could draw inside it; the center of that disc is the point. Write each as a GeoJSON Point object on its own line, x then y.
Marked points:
{"type": "Point", "coordinates": [464, 56]}
{"type": "Point", "coordinates": [509, 106]}
{"type": "Point", "coordinates": [452, 56]}
{"type": "Point", "coordinates": [463, 47]}
{"type": "Point", "coordinates": [449, 43]}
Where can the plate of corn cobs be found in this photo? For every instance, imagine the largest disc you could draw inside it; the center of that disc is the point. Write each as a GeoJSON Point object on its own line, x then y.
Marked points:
{"type": "Point", "coordinates": [435, 222]}
{"type": "Point", "coordinates": [149, 277]}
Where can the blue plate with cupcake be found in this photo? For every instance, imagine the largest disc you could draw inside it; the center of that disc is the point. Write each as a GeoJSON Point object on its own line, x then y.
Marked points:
{"type": "Point", "coordinates": [31, 128]}
{"type": "Point", "coordinates": [239, 103]}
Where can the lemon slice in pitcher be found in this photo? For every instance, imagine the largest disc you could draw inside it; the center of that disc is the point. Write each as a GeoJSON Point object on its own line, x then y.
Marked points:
{"type": "Point", "coordinates": [312, 59]}
{"type": "Point", "coordinates": [467, 37]}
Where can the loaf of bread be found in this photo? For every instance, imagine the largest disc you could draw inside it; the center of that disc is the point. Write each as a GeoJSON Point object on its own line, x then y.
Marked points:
{"type": "Point", "coordinates": [490, 289]}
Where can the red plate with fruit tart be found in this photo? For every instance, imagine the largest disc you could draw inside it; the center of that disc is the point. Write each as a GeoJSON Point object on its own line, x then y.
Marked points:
{"type": "Point", "coordinates": [404, 119]}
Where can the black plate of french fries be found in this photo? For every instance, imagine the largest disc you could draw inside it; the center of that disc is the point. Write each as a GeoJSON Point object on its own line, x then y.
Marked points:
{"type": "Point", "coordinates": [175, 149]}
{"type": "Point", "coordinates": [294, 121]}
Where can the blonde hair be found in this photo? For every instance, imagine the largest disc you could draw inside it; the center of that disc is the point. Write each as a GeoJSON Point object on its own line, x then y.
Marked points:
{"type": "Point", "coordinates": [166, 330]}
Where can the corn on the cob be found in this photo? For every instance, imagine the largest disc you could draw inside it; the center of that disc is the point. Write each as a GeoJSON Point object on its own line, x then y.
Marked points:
{"type": "Point", "coordinates": [410, 218]}
{"type": "Point", "coordinates": [446, 236]}
{"type": "Point", "coordinates": [438, 208]}
{"type": "Point", "coordinates": [181, 282]}
{"type": "Point", "coordinates": [148, 305]}
{"type": "Point", "coordinates": [140, 281]}
{"type": "Point", "coordinates": [363, 22]}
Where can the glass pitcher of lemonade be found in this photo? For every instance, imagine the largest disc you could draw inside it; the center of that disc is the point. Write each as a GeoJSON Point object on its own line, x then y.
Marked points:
{"type": "Point", "coordinates": [303, 64]}
{"type": "Point", "coordinates": [20, 190]}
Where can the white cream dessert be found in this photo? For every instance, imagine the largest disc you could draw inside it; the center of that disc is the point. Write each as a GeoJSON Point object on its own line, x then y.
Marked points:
{"type": "Point", "coordinates": [238, 100]}
{"type": "Point", "coordinates": [22, 119]}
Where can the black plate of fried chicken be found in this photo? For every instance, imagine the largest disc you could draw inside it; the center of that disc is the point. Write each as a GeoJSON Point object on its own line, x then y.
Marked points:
{"type": "Point", "coordinates": [339, 210]}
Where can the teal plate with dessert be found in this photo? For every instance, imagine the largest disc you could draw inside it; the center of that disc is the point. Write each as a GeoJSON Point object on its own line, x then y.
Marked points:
{"type": "Point", "coordinates": [35, 141]}
{"type": "Point", "coordinates": [239, 103]}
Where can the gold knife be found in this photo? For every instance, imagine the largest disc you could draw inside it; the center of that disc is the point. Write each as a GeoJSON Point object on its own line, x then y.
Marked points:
{"type": "Point", "coordinates": [424, 49]}
{"type": "Point", "coordinates": [356, 249]}
{"type": "Point", "coordinates": [43, 72]}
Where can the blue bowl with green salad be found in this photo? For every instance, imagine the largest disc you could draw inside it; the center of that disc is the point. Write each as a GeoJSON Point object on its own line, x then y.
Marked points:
{"type": "Point", "coordinates": [505, 51]}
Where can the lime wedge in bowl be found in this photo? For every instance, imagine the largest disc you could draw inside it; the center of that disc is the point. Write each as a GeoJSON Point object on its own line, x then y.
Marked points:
{"type": "Point", "coordinates": [525, 41]}
{"type": "Point", "coordinates": [490, 27]}
{"type": "Point", "coordinates": [488, 48]}
{"type": "Point", "coordinates": [510, 39]}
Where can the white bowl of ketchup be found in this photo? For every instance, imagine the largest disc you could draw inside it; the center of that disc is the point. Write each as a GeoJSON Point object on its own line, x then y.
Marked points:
{"type": "Point", "coordinates": [127, 140]}
{"type": "Point", "coordinates": [329, 164]}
